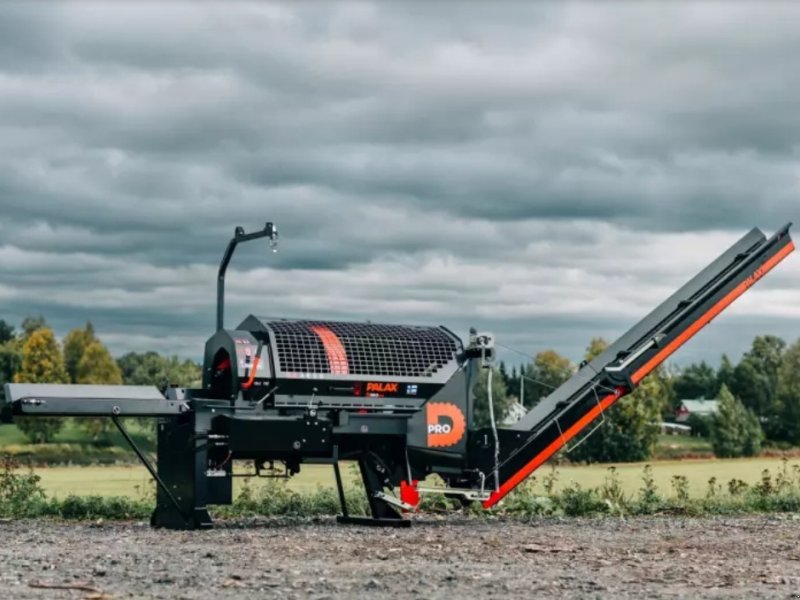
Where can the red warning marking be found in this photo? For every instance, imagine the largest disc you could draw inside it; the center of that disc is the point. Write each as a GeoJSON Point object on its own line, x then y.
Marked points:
{"type": "Point", "coordinates": [337, 357]}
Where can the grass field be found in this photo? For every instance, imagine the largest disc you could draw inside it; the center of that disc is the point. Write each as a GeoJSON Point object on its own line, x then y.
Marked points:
{"type": "Point", "coordinates": [10, 435]}
{"type": "Point", "coordinates": [118, 479]}
{"type": "Point", "coordinates": [126, 480]}
{"type": "Point", "coordinates": [677, 446]}
{"type": "Point", "coordinates": [72, 445]}
{"type": "Point", "coordinates": [697, 472]}
{"type": "Point", "coordinates": [132, 481]}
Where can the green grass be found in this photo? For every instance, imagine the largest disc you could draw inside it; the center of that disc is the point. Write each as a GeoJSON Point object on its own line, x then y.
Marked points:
{"type": "Point", "coordinates": [628, 491]}
{"type": "Point", "coordinates": [72, 445]}
{"type": "Point", "coordinates": [677, 446]}
{"type": "Point", "coordinates": [124, 480]}
{"type": "Point", "coordinates": [9, 434]}
{"type": "Point", "coordinates": [697, 472]}
{"type": "Point", "coordinates": [121, 480]}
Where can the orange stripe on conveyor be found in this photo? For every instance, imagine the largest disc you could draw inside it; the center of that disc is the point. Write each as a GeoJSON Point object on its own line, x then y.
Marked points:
{"type": "Point", "coordinates": [337, 356]}
{"type": "Point", "coordinates": [595, 411]}
{"type": "Point", "coordinates": [709, 316]}
{"type": "Point", "coordinates": [554, 447]}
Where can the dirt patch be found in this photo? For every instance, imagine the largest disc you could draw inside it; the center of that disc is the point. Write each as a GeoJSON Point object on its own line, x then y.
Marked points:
{"type": "Point", "coordinates": [566, 558]}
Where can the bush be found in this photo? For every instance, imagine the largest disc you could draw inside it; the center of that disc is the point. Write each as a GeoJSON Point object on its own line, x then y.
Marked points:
{"type": "Point", "coordinates": [20, 493]}
{"type": "Point", "coordinates": [21, 496]}
{"type": "Point", "coordinates": [577, 502]}
{"type": "Point", "coordinates": [612, 494]}
{"type": "Point", "coordinates": [98, 507]}
{"type": "Point", "coordinates": [735, 430]}
{"type": "Point", "coordinates": [649, 499]}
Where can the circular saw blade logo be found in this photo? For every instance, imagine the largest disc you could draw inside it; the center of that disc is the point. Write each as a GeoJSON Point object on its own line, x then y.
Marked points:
{"type": "Point", "coordinates": [446, 424]}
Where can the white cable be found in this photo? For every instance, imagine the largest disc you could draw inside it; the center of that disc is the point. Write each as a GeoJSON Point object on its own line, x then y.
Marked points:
{"type": "Point", "coordinates": [494, 429]}
{"type": "Point", "coordinates": [555, 387]}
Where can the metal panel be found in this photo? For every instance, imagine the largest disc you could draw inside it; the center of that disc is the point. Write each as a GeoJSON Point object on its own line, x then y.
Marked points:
{"type": "Point", "coordinates": [90, 400]}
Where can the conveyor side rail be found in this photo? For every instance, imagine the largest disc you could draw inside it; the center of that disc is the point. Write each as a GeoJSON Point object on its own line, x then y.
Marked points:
{"type": "Point", "coordinates": [617, 371]}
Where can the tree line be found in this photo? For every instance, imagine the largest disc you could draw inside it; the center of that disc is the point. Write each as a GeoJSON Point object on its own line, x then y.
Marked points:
{"type": "Point", "coordinates": [34, 355]}
{"type": "Point", "coordinates": [759, 399]}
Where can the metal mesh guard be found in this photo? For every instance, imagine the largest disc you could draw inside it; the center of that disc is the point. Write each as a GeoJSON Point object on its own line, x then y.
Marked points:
{"type": "Point", "coordinates": [372, 350]}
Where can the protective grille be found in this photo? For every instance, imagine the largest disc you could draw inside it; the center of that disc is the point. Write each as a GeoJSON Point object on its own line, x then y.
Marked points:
{"type": "Point", "coordinates": [371, 350]}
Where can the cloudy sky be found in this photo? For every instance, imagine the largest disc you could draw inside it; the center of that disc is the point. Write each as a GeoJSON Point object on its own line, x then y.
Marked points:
{"type": "Point", "coordinates": [548, 172]}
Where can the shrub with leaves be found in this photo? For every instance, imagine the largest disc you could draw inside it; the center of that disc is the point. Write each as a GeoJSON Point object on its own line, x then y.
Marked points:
{"type": "Point", "coordinates": [735, 430]}
{"type": "Point", "coordinates": [20, 493]}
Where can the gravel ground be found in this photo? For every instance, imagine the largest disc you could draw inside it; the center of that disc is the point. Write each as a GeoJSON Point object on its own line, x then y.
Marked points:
{"type": "Point", "coordinates": [565, 558]}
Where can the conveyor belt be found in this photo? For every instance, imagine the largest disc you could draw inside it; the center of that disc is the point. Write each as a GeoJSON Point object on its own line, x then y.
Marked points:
{"type": "Point", "coordinates": [566, 412]}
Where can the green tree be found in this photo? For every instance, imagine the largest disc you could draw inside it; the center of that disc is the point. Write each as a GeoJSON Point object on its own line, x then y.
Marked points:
{"type": "Point", "coordinates": [31, 324]}
{"type": "Point", "coordinates": [42, 362]}
{"type": "Point", "coordinates": [500, 399]}
{"type": "Point", "coordinates": [75, 344]}
{"type": "Point", "coordinates": [628, 430]}
{"type": "Point", "coordinates": [700, 424]}
{"type": "Point", "coordinates": [10, 363]}
{"type": "Point", "coordinates": [696, 381]}
{"type": "Point", "coordinates": [755, 381]}
{"type": "Point", "coordinates": [10, 360]}
{"type": "Point", "coordinates": [596, 347]}
{"type": "Point", "coordinates": [96, 366]}
{"type": "Point", "coordinates": [735, 430]}
{"type": "Point", "coordinates": [503, 371]}
{"type": "Point", "coordinates": [513, 383]}
{"type": "Point", "coordinates": [725, 373]}
{"type": "Point", "coordinates": [787, 411]}
{"type": "Point", "coordinates": [150, 368]}
{"type": "Point", "coordinates": [547, 371]}
{"type": "Point", "coordinates": [6, 332]}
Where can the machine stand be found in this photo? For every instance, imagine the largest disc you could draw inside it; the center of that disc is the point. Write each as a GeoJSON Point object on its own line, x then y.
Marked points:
{"type": "Point", "coordinates": [374, 522]}
{"type": "Point", "coordinates": [383, 514]}
{"type": "Point", "coordinates": [183, 493]}
{"type": "Point", "coordinates": [340, 489]}
{"type": "Point", "coordinates": [169, 512]}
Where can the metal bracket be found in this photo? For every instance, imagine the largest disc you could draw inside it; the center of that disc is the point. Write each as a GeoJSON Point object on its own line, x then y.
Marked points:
{"type": "Point", "coordinates": [148, 465]}
{"type": "Point", "coordinates": [466, 493]}
{"type": "Point", "coordinates": [394, 501]}
{"type": "Point", "coordinates": [653, 342]}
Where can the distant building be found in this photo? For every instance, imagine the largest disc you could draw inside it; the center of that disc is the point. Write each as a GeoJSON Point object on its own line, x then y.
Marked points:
{"type": "Point", "coordinates": [700, 408]}
{"type": "Point", "coordinates": [675, 429]}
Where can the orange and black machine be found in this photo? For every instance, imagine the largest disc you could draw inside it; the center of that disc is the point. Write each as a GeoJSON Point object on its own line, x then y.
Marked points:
{"type": "Point", "coordinates": [395, 399]}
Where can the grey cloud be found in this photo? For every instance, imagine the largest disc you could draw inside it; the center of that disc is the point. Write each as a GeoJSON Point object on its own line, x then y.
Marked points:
{"type": "Point", "coordinates": [532, 169]}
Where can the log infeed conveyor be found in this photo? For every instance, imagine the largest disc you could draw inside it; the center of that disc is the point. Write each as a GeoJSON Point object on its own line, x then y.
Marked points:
{"type": "Point", "coordinates": [397, 399]}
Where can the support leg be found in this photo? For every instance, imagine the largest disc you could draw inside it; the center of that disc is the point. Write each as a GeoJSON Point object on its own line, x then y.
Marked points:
{"type": "Point", "coordinates": [340, 489]}
{"type": "Point", "coordinates": [148, 465]}
{"type": "Point", "coordinates": [383, 514]}
{"type": "Point", "coordinates": [182, 465]}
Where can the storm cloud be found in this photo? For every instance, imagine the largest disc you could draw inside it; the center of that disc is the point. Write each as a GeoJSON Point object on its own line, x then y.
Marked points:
{"type": "Point", "coordinates": [545, 171]}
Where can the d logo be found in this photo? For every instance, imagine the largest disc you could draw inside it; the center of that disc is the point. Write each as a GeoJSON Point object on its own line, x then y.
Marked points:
{"type": "Point", "coordinates": [446, 424]}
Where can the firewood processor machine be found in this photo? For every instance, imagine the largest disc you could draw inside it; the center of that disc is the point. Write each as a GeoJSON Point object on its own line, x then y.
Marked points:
{"type": "Point", "coordinates": [395, 399]}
